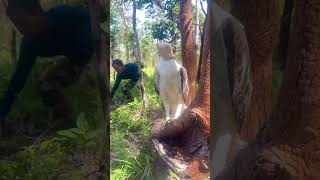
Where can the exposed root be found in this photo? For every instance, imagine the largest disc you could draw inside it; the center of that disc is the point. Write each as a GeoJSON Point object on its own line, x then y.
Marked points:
{"type": "Point", "coordinates": [183, 143]}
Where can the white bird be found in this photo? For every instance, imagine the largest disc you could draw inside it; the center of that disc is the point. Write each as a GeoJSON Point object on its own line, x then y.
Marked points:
{"type": "Point", "coordinates": [171, 82]}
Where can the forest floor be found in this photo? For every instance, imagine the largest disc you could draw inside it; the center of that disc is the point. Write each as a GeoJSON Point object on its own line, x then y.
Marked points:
{"type": "Point", "coordinates": [132, 154]}
{"type": "Point", "coordinates": [39, 147]}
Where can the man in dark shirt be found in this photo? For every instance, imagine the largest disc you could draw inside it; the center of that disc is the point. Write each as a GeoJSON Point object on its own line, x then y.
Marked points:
{"type": "Point", "coordinates": [129, 71]}
{"type": "Point", "coordinates": [61, 31]}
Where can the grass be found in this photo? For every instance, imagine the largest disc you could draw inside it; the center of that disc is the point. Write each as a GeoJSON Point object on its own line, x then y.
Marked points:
{"type": "Point", "coordinates": [55, 153]}
{"type": "Point", "coordinates": [131, 156]}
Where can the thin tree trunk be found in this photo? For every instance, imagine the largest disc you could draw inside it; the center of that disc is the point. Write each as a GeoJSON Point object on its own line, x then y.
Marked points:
{"type": "Point", "coordinates": [188, 51]}
{"type": "Point", "coordinates": [285, 32]}
{"type": "Point", "coordinates": [201, 49]}
{"type": "Point", "coordinates": [261, 23]}
{"type": "Point", "coordinates": [137, 54]}
{"type": "Point", "coordinates": [101, 58]}
{"type": "Point", "coordinates": [197, 25]}
{"type": "Point", "coordinates": [287, 147]}
{"type": "Point", "coordinates": [111, 59]}
{"type": "Point", "coordinates": [126, 29]}
{"type": "Point", "coordinates": [127, 54]}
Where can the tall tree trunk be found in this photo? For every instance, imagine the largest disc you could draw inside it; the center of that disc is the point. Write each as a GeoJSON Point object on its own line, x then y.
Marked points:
{"type": "Point", "coordinates": [285, 32]}
{"type": "Point", "coordinates": [188, 51]}
{"type": "Point", "coordinates": [261, 23]}
{"type": "Point", "coordinates": [101, 57]}
{"type": "Point", "coordinates": [287, 147]}
{"type": "Point", "coordinates": [195, 119]}
{"type": "Point", "coordinates": [137, 54]}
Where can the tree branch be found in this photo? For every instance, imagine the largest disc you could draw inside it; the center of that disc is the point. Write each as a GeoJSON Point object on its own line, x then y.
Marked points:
{"type": "Point", "coordinates": [202, 8]}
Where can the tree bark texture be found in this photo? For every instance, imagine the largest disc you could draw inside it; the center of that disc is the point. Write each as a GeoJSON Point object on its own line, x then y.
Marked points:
{"type": "Point", "coordinates": [232, 87]}
{"type": "Point", "coordinates": [201, 54]}
{"type": "Point", "coordinates": [261, 23]}
{"type": "Point", "coordinates": [287, 147]}
{"type": "Point", "coordinates": [188, 50]}
{"type": "Point", "coordinates": [102, 57]}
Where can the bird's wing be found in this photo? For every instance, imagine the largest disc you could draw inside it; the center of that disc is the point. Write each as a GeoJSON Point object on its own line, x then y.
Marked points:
{"type": "Point", "coordinates": [239, 65]}
{"type": "Point", "coordinates": [184, 82]}
{"type": "Point", "coordinates": [156, 80]}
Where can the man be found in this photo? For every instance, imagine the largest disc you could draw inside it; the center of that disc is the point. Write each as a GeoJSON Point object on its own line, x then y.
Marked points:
{"type": "Point", "coordinates": [129, 71]}
{"type": "Point", "coordinates": [63, 31]}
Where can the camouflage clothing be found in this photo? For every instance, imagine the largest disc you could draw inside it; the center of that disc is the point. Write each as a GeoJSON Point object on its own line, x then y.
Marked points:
{"type": "Point", "coordinates": [127, 87]}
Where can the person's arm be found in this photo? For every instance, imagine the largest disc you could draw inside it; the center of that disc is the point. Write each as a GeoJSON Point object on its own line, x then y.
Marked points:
{"type": "Point", "coordinates": [26, 60]}
{"type": "Point", "coordinates": [116, 85]}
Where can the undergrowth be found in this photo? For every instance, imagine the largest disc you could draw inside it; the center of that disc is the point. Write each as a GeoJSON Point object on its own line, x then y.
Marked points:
{"type": "Point", "coordinates": [131, 156]}
{"type": "Point", "coordinates": [36, 148]}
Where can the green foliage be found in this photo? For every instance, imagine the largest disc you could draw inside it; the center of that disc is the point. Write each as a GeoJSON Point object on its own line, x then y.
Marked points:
{"type": "Point", "coordinates": [35, 162]}
{"type": "Point", "coordinates": [131, 156]}
{"type": "Point", "coordinates": [148, 49]}
{"type": "Point", "coordinates": [56, 157]}
{"type": "Point", "coordinates": [82, 136]}
{"type": "Point", "coordinates": [166, 28]}
{"type": "Point", "coordinates": [50, 156]}
{"type": "Point", "coordinates": [33, 149]}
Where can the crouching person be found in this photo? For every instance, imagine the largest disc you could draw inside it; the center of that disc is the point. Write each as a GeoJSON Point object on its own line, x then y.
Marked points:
{"type": "Point", "coordinates": [129, 72]}
{"type": "Point", "coordinates": [61, 31]}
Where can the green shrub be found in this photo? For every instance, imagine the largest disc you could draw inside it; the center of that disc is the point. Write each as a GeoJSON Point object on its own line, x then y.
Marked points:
{"type": "Point", "coordinates": [35, 162]}
{"type": "Point", "coordinates": [130, 135]}
{"type": "Point", "coordinates": [82, 136]}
